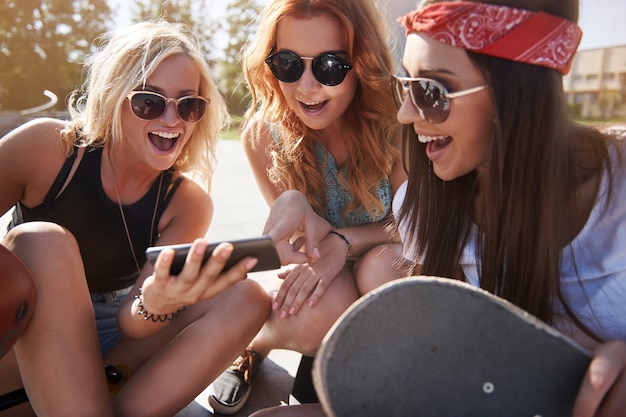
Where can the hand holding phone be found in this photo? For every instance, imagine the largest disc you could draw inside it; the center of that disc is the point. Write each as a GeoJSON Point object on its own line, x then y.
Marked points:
{"type": "Point", "coordinates": [261, 248]}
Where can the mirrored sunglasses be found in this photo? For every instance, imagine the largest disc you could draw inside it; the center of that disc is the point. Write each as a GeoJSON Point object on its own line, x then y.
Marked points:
{"type": "Point", "coordinates": [148, 105]}
{"type": "Point", "coordinates": [328, 69]}
{"type": "Point", "coordinates": [430, 98]}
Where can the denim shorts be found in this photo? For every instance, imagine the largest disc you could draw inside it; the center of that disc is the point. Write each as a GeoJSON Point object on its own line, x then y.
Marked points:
{"type": "Point", "coordinates": [105, 306]}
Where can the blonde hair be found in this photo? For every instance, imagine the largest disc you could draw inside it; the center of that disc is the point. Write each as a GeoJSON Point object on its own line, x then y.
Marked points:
{"type": "Point", "coordinates": [371, 130]}
{"type": "Point", "coordinates": [125, 61]}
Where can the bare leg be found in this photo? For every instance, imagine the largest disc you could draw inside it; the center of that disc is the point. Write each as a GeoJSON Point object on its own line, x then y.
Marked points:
{"type": "Point", "coordinates": [174, 366]}
{"type": "Point", "coordinates": [10, 380]}
{"type": "Point", "coordinates": [304, 331]}
{"type": "Point", "coordinates": [303, 410]}
{"type": "Point", "coordinates": [58, 354]}
{"type": "Point", "coordinates": [380, 265]}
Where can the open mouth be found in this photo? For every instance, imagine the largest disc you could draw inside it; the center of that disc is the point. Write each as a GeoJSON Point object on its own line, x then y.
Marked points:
{"type": "Point", "coordinates": [435, 143]}
{"type": "Point", "coordinates": [314, 106]}
{"type": "Point", "coordinates": [163, 141]}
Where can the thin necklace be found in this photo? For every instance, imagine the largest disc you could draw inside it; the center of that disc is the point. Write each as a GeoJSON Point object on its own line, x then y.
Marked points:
{"type": "Point", "coordinates": [119, 204]}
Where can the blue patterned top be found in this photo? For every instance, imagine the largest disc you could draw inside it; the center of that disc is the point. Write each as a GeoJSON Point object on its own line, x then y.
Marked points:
{"type": "Point", "coordinates": [337, 196]}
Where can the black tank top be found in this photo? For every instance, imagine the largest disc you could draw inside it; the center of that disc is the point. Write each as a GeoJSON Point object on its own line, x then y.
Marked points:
{"type": "Point", "coordinates": [95, 221]}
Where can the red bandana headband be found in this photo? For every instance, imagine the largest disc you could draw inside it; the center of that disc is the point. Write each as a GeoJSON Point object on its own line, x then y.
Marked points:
{"type": "Point", "coordinates": [505, 32]}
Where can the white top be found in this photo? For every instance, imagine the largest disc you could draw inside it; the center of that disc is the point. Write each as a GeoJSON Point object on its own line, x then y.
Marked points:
{"type": "Point", "coordinates": [595, 284]}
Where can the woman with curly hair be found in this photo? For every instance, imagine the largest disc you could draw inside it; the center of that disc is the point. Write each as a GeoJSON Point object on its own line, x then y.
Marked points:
{"type": "Point", "coordinates": [322, 124]}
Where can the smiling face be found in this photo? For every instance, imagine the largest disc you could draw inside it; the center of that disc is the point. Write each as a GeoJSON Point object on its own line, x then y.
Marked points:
{"type": "Point", "coordinates": [158, 143]}
{"type": "Point", "coordinates": [319, 106]}
{"type": "Point", "coordinates": [458, 145]}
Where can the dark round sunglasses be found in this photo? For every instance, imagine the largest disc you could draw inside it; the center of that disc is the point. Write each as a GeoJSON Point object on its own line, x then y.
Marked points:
{"type": "Point", "coordinates": [327, 68]}
{"type": "Point", "coordinates": [429, 97]}
{"type": "Point", "coordinates": [148, 105]}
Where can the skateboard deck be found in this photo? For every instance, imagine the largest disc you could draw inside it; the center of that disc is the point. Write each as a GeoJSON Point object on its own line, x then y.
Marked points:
{"type": "Point", "coordinates": [427, 346]}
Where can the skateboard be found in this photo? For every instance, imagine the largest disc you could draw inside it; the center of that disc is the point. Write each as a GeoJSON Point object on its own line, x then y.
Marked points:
{"type": "Point", "coordinates": [428, 346]}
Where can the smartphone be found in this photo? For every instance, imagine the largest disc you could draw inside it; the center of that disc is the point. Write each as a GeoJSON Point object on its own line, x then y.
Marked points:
{"type": "Point", "coordinates": [261, 248]}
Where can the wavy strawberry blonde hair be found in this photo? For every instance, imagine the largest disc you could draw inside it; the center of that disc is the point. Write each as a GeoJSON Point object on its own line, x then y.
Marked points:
{"type": "Point", "coordinates": [371, 130]}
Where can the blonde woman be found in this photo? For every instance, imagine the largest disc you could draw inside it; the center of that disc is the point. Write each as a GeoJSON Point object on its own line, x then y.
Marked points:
{"type": "Point", "coordinates": [91, 194]}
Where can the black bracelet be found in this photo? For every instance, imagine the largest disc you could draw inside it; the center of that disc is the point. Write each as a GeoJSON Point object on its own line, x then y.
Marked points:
{"type": "Point", "coordinates": [345, 239]}
{"type": "Point", "coordinates": [155, 317]}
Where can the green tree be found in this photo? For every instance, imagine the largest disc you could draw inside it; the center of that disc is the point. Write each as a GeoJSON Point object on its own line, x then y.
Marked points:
{"type": "Point", "coordinates": [239, 26]}
{"type": "Point", "coordinates": [189, 12]}
{"type": "Point", "coordinates": [42, 46]}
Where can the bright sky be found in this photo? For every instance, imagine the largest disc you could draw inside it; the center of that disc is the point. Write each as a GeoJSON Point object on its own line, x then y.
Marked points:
{"type": "Point", "coordinates": [602, 21]}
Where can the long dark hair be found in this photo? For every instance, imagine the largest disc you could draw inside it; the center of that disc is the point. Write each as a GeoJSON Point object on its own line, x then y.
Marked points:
{"type": "Point", "coordinates": [527, 205]}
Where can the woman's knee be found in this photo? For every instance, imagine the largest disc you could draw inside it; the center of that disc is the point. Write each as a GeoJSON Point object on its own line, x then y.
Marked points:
{"type": "Point", "coordinates": [378, 266]}
{"type": "Point", "coordinates": [248, 299]}
{"type": "Point", "coordinates": [47, 250]}
{"type": "Point", "coordinates": [40, 238]}
{"type": "Point", "coordinates": [298, 332]}
{"type": "Point", "coordinates": [304, 331]}
{"type": "Point", "coordinates": [254, 294]}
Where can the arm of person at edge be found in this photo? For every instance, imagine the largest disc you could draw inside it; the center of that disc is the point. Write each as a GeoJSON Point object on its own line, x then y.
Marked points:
{"type": "Point", "coordinates": [293, 226]}
{"type": "Point", "coordinates": [186, 219]}
{"type": "Point", "coordinates": [603, 389]}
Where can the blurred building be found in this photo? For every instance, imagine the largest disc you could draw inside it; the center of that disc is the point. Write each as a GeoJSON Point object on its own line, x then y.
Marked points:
{"type": "Point", "coordinates": [596, 84]}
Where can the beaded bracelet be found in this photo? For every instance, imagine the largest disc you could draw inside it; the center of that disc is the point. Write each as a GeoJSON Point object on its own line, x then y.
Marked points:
{"type": "Point", "coordinates": [155, 317]}
{"type": "Point", "coordinates": [345, 239]}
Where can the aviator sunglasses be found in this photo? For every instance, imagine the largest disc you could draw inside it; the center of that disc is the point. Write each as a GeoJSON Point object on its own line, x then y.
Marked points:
{"type": "Point", "coordinates": [288, 67]}
{"type": "Point", "coordinates": [148, 105]}
{"type": "Point", "coordinates": [430, 98]}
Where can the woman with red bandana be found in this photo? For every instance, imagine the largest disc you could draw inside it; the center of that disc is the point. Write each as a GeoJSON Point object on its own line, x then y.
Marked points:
{"type": "Point", "coordinates": [532, 202]}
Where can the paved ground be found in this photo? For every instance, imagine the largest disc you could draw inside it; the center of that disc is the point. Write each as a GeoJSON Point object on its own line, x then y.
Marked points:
{"type": "Point", "coordinates": [240, 212]}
